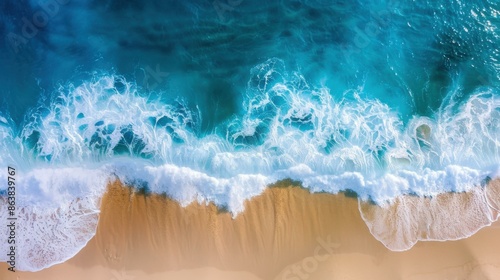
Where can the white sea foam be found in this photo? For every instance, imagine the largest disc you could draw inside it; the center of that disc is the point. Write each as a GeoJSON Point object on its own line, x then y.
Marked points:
{"type": "Point", "coordinates": [288, 129]}
{"type": "Point", "coordinates": [449, 216]}
{"type": "Point", "coordinates": [57, 212]}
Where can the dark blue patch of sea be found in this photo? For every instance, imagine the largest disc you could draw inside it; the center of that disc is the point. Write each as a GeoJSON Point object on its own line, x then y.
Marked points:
{"type": "Point", "coordinates": [411, 56]}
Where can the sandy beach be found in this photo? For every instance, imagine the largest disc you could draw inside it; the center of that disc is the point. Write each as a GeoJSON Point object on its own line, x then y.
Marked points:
{"type": "Point", "coordinates": [284, 233]}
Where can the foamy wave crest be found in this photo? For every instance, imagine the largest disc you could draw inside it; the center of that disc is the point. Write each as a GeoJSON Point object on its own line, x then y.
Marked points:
{"type": "Point", "coordinates": [103, 118]}
{"type": "Point", "coordinates": [286, 129]}
{"type": "Point", "coordinates": [284, 123]}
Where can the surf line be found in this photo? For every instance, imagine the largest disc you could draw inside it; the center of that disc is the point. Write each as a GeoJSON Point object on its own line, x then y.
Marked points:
{"type": "Point", "coordinates": [11, 219]}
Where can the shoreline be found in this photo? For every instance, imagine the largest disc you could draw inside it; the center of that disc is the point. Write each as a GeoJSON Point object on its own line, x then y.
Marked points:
{"type": "Point", "coordinates": [153, 236]}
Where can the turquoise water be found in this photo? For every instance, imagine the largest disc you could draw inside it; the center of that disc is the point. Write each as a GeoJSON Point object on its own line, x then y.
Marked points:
{"type": "Point", "coordinates": [409, 56]}
{"type": "Point", "coordinates": [214, 100]}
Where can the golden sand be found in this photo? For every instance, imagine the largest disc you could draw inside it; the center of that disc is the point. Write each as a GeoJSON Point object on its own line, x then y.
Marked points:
{"type": "Point", "coordinates": [285, 233]}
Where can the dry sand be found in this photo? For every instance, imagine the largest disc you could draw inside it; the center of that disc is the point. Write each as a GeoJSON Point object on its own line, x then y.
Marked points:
{"type": "Point", "coordinates": [285, 233]}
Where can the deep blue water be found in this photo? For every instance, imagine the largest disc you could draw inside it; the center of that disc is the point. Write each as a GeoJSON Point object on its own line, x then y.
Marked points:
{"type": "Point", "coordinates": [408, 55]}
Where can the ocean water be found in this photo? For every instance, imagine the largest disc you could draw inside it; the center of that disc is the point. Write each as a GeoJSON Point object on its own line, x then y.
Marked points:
{"type": "Point", "coordinates": [212, 101]}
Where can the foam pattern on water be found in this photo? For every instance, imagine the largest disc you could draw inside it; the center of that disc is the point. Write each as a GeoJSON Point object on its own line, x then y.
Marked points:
{"type": "Point", "coordinates": [447, 216]}
{"type": "Point", "coordinates": [57, 213]}
{"type": "Point", "coordinates": [49, 236]}
{"type": "Point", "coordinates": [287, 128]}
{"type": "Point", "coordinates": [285, 123]}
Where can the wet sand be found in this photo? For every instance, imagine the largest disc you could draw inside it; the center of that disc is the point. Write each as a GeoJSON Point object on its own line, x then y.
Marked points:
{"type": "Point", "coordinates": [285, 233]}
